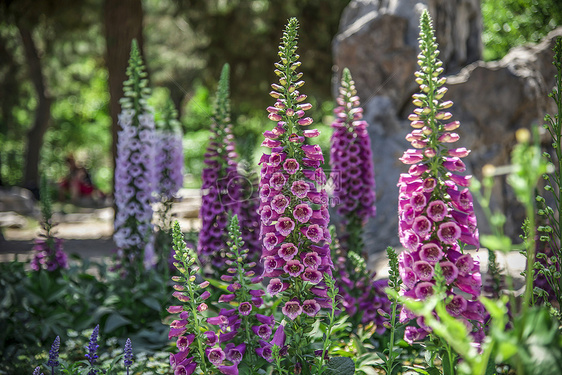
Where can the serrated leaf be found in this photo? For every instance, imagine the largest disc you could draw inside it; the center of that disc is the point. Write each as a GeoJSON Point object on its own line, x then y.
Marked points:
{"type": "Point", "coordinates": [340, 366]}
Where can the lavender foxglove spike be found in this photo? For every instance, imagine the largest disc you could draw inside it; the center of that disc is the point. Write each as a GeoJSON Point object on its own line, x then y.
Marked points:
{"type": "Point", "coordinates": [135, 169]}
{"type": "Point", "coordinates": [169, 158]}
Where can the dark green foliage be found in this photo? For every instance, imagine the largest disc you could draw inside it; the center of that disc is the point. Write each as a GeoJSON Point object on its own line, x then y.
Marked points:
{"type": "Point", "coordinates": [70, 43]}
{"type": "Point", "coordinates": [550, 226]}
{"type": "Point", "coordinates": [255, 24]}
{"type": "Point", "coordinates": [509, 23]}
{"type": "Point", "coordinates": [36, 307]}
{"type": "Point", "coordinates": [340, 366]}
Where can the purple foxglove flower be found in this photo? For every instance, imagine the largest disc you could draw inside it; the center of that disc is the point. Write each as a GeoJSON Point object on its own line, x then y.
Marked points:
{"type": "Point", "coordinates": [310, 307]}
{"type": "Point", "coordinates": [235, 353]}
{"type": "Point", "coordinates": [264, 351]}
{"type": "Point", "coordinates": [300, 189]}
{"type": "Point", "coordinates": [457, 306]}
{"type": "Point", "coordinates": [183, 342]}
{"type": "Point", "coordinates": [431, 253]}
{"type": "Point", "coordinates": [225, 187]}
{"type": "Point", "coordinates": [48, 254]}
{"type": "Point", "coordinates": [212, 338]}
{"type": "Point", "coordinates": [302, 213]}
{"type": "Point", "coordinates": [311, 275]}
{"type": "Point", "coordinates": [292, 309]}
{"type": "Point", "coordinates": [285, 226]}
{"type": "Point", "coordinates": [351, 151]}
{"type": "Point", "coordinates": [245, 308]}
{"type": "Point", "coordinates": [216, 356]}
{"type": "Point", "coordinates": [294, 268]}
{"type": "Point", "coordinates": [229, 370]}
{"type": "Point", "coordinates": [279, 172]}
{"type": "Point", "coordinates": [312, 260]}
{"type": "Point", "coordinates": [263, 331]}
{"type": "Point", "coordinates": [435, 207]}
{"type": "Point", "coordinates": [287, 251]}
{"type": "Point", "coordinates": [185, 369]}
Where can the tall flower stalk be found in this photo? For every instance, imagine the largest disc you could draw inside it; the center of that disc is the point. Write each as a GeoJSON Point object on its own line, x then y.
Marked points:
{"type": "Point", "coordinates": [436, 214]}
{"type": "Point", "coordinates": [354, 194]}
{"type": "Point", "coordinates": [294, 206]}
{"type": "Point", "coordinates": [248, 215]}
{"type": "Point", "coordinates": [54, 355]}
{"type": "Point", "coordinates": [135, 171]}
{"type": "Point", "coordinates": [549, 254]}
{"type": "Point", "coordinates": [48, 249]}
{"type": "Point", "coordinates": [352, 164]}
{"type": "Point", "coordinates": [221, 193]}
{"type": "Point", "coordinates": [92, 348]}
{"type": "Point", "coordinates": [242, 327]}
{"type": "Point", "coordinates": [128, 355]}
{"type": "Point", "coordinates": [190, 327]}
{"type": "Point", "coordinates": [169, 162]}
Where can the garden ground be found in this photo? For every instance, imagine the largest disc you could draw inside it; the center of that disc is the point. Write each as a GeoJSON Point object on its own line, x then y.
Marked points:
{"type": "Point", "coordinates": [87, 233]}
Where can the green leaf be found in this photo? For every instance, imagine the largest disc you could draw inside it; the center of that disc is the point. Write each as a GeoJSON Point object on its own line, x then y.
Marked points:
{"type": "Point", "coordinates": [244, 369]}
{"type": "Point", "coordinates": [426, 371]}
{"type": "Point", "coordinates": [340, 366]}
{"type": "Point", "coordinates": [115, 321]}
{"type": "Point", "coordinates": [506, 349]}
{"type": "Point", "coordinates": [152, 303]}
{"type": "Point", "coordinates": [491, 367]}
{"type": "Point", "coordinates": [501, 243]}
{"type": "Point", "coordinates": [447, 366]}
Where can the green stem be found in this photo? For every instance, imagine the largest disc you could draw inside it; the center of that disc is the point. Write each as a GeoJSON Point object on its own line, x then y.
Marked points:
{"type": "Point", "coordinates": [194, 314]}
{"type": "Point", "coordinates": [528, 299]}
{"type": "Point", "coordinates": [391, 357]}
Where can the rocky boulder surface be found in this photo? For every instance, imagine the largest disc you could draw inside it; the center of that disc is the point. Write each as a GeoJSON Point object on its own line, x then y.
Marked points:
{"type": "Point", "coordinates": [378, 43]}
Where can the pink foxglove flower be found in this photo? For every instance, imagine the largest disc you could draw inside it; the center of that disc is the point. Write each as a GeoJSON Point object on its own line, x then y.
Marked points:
{"type": "Point", "coordinates": [294, 204]}
{"type": "Point", "coordinates": [436, 215]}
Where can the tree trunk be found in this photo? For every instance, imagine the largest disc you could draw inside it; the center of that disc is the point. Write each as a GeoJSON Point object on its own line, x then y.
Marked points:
{"type": "Point", "coordinates": [123, 23]}
{"type": "Point", "coordinates": [42, 112]}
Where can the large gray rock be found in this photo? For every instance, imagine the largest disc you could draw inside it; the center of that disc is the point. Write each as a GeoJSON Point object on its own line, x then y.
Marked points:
{"type": "Point", "coordinates": [493, 100]}
{"type": "Point", "coordinates": [18, 200]}
{"type": "Point", "coordinates": [377, 42]}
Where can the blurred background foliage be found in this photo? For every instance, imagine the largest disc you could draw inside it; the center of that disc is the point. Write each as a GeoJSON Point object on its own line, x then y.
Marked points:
{"type": "Point", "coordinates": [186, 42]}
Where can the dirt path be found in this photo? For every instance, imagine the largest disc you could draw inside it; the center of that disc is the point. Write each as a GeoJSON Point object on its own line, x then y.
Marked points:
{"type": "Point", "coordinates": [86, 233]}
